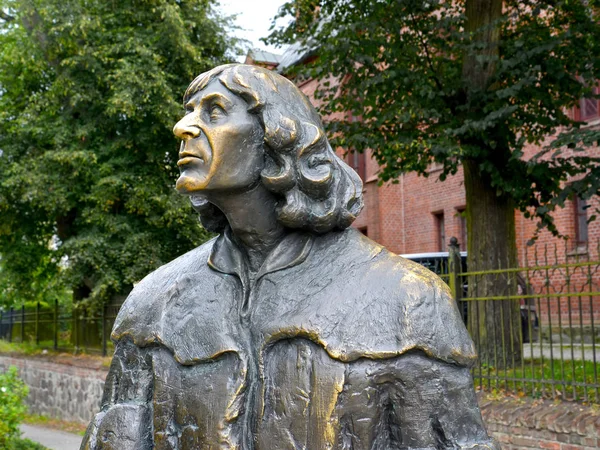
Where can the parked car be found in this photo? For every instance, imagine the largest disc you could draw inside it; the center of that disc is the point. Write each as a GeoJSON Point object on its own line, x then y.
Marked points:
{"type": "Point", "coordinates": [438, 263]}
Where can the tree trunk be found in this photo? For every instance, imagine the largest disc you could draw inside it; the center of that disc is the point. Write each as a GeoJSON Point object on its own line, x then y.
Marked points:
{"type": "Point", "coordinates": [482, 23]}
{"type": "Point", "coordinates": [494, 324]}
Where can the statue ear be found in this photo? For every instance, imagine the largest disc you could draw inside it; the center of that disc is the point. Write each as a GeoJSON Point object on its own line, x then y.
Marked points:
{"type": "Point", "coordinates": [281, 132]}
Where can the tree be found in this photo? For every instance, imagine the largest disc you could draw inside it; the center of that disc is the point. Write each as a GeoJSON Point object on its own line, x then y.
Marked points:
{"type": "Point", "coordinates": [89, 93]}
{"type": "Point", "coordinates": [464, 84]}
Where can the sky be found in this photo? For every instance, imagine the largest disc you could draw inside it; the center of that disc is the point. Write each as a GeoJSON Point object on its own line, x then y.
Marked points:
{"type": "Point", "coordinates": [254, 17]}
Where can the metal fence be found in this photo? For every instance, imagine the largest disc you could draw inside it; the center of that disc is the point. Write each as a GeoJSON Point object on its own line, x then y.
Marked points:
{"type": "Point", "coordinates": [61, 328]}
{"type": "Point", "coordinates": [534, 327]}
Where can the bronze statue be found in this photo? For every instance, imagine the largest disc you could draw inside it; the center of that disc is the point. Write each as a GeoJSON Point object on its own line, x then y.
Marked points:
{"type": "Point", "coordinates": [289, 330]}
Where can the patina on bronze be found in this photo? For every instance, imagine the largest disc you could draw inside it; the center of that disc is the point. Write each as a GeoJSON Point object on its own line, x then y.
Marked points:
{"type": "Point", "coordinates": [289, 330]}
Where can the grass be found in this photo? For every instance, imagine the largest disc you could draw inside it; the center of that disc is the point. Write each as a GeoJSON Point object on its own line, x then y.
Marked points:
{"type": "Point", "coordinates": [535, 379]}
{"type": "Point", "coordinates": [56, 424]}
{"type": "Point", "coordinates": [46, 349]}
{"type": "Point", "coordinates": [29, 347]}
{"type": "Point", "coordinates": [24, 348]}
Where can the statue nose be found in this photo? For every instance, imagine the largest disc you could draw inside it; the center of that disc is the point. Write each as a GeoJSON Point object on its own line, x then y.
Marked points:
{"type": "Point", "coordinates": [185, 130]}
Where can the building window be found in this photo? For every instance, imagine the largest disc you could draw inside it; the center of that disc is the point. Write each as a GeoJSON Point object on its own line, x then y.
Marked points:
{"type": "Point", "coordinates": [588, 107]}
{"type": "Point", "coordinates": [581, 222]}
{"type": "Point", "coordinates": [358, 162]}
{"type": "Point", "coordinates": [440, 231]}
{"type": "Point", "coordinates": [462, 225]}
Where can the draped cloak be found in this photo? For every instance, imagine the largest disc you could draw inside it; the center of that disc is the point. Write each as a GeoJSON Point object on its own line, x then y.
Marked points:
{"type": "Point", "coordinates": [336, 343]}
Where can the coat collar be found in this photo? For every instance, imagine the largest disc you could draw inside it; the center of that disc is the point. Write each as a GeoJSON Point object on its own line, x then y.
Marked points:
{"type": "Point", "coordinates": [227, 257]}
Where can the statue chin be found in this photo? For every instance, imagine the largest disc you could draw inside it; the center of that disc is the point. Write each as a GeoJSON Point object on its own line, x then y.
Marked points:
{"type": "Point", "coordinates": [188, 185]}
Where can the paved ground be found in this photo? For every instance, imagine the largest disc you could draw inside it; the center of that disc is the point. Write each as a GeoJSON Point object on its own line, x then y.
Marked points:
{"type": "Point", "coordinates": [53, 439]}
{"type": "Point", "coordinates": [554, 350]}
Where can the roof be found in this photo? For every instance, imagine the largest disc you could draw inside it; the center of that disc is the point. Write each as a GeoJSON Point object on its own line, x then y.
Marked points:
{"type": "Point", "coordinates": [296, 53]}
{"type": "Point", "coordinates": [299, 52]}
{"type": "Point", "coordinates": [292, 55]}
{"type": "Point", "coordinates": [263, 56]}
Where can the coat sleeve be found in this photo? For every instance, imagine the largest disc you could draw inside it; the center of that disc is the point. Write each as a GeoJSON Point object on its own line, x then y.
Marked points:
{"type": "Point", "coordinates": [428, 404]}
{"type": "Point", "coordinates": [124, 420]}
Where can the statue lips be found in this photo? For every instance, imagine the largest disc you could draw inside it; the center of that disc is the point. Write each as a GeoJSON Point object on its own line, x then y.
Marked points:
{"type": "Point", "coordinates": [187, 157]}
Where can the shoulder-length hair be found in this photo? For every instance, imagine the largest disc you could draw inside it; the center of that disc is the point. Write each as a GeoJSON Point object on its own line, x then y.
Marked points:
{"type": "Point", "coordinates": [319, 192]}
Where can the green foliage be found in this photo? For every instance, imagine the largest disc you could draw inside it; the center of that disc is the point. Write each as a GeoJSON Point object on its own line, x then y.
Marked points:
{"type": "Point", "coordinates": [12, 410]}
{"type": "Point", "coordinates": [404, 70]}
{"type": "Point", "coordinates": [89, 93]}
{"type": "Point", "coordinates": [24, 444]}
{"type": "Point", "coordinates": [22, 348]}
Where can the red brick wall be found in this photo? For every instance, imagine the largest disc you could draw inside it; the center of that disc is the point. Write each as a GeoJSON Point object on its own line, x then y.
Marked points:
{"type": "Point", "coordinates": [530, 424]}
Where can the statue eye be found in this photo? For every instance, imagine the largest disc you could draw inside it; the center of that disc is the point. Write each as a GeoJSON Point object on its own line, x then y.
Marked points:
{"type": "Point", "coordinates": [189, 108]}
{"type": "Point", "coordinates": [216, 112]}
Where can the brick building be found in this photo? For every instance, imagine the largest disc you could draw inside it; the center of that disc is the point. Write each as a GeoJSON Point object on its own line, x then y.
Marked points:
{"type": "Point", "coordinates": [419, 214]}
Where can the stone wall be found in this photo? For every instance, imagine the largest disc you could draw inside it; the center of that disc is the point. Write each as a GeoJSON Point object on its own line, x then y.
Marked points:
{"type": "Point", "coordinates": [62, 391]}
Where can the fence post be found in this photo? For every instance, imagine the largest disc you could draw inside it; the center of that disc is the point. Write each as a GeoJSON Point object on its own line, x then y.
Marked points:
{"type": "Point", "coordinates": [10, 324]}
{"type": "Point", "coordinates": [22, 324]}
{"type": "Point", "coordinates": [454, 269]}
{"type": "Point", "coordinates": [55, 324]}
{"type": "Point", "coordinates": [455, 280]}
{"type": "Point", "coordinates": [37, 323]}
{"type": "Point", "coordinates": [84, 332]}
{"type": "Point", "coordinates": [76, 311]}
{"type": "Point", "coordinates": [104, 330]}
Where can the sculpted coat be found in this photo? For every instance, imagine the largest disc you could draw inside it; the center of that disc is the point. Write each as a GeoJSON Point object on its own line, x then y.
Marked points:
{"type": "Point", "coordinates": [329, 341]}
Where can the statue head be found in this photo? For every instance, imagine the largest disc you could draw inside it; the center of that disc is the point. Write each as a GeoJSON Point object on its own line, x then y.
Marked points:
{"type": "Point", "coordinates": [247, 125]}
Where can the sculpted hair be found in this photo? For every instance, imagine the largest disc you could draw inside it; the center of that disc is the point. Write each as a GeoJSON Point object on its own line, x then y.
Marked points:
{"type": "Point", "coordinates": [319, 192]}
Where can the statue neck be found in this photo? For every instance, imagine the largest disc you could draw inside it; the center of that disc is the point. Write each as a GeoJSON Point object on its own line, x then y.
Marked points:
{"type": "Point", "coordinates": [253, 220]}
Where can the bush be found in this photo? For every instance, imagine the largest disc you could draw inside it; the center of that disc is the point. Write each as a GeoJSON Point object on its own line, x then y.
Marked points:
{"type": "Point", "coordinates": [12, 410]}
{"type": "Point", "coordinates": [25, 444]}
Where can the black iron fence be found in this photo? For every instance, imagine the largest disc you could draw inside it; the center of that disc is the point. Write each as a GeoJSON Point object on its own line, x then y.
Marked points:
{"type": "Point", "coordinates": [535, 327]}
{"type": "Point", "coordinates": [61, 328]}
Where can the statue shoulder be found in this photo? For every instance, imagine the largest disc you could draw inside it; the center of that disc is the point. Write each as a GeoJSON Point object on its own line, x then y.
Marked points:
{"type": "Point", "coordinates": [412, 275]}
{"type": "Point", "coordinates": [429, 316]}
{"type": "Point", "coordinates": [141, 313]}
{"type": "Point", "coordinates": [393, 306]}
{"type": "Point", "coordinates": [382, 264]}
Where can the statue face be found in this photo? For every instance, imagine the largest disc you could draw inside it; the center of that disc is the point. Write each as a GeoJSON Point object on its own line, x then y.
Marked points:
{"type": "Point", "coordinates": [222, 146]}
